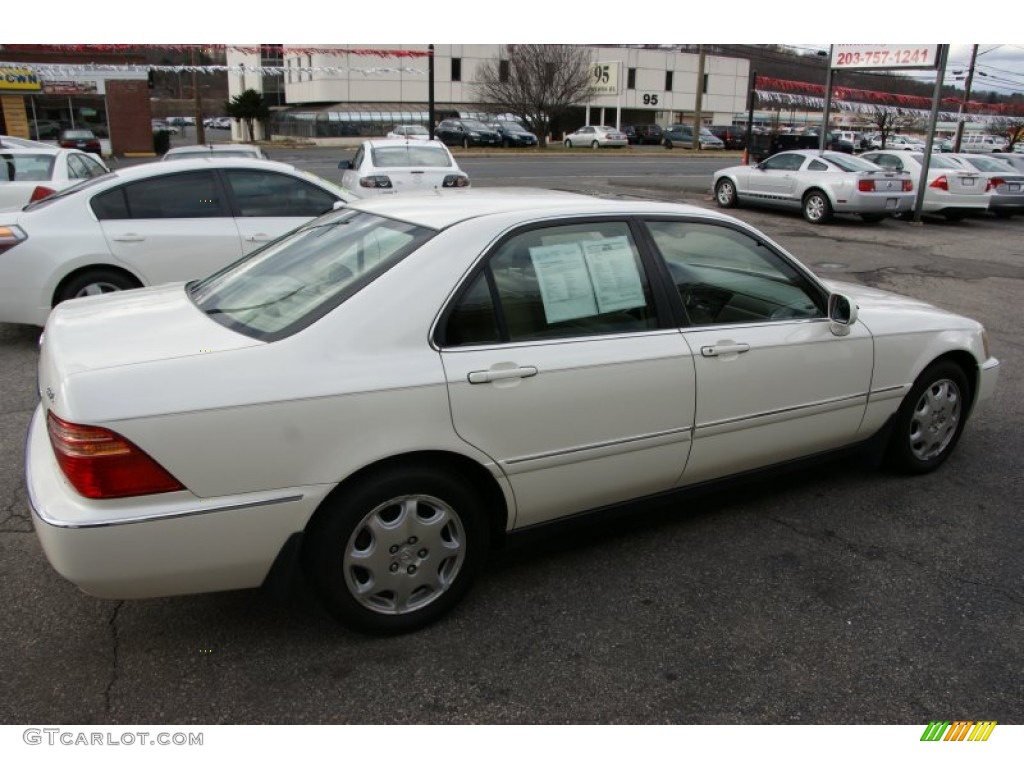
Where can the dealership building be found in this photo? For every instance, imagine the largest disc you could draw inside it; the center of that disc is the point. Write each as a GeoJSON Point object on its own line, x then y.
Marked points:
{"type": "Point", "coordinates": [323, 92]}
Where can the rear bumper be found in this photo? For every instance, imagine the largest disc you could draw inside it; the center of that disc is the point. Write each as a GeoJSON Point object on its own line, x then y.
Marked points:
{"type": "Point", "coordinates": [152, 546]}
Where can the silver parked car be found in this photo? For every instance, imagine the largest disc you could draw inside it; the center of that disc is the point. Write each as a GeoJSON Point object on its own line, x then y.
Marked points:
{"type": "Point", "coordinates": [819, 184]}
{"type": "Point", "coordinates": [1003, 180]}
{"type": "Point", "coordinates": [952, 190]}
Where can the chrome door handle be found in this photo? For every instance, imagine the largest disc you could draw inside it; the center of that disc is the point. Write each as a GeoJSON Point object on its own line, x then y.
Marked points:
{"type": "Point", "coordinates": [482, 377]}
{"type": "Point", "coordinates": [257, 238]}
{"type": "Point", "coordinates": [129, 238]}
{"type": "Point", "coordinates": [724, 349]}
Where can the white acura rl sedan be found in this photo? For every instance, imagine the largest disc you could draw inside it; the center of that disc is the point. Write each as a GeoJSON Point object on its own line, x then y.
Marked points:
{"type": "Point", "coordinates": [388, 391]}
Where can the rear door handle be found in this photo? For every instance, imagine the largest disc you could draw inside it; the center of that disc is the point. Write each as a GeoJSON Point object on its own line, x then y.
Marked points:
{"type": "Point", "coordinates": [129, 237]}
{"type": "Point", "coordinates": [724, 349]}
{"type": "Point", "coordinates": [257, 238]}
{"type": "Point", "coordinates": [482, 377]}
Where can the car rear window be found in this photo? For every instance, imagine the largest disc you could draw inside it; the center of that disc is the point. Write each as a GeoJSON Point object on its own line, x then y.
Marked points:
{"type": "Point", "coordinates": [410, 155]}
{"type": "Point", "coordinates": [25, 167]}
{"type": "Point", "coordinates": [297, 279]}
{"type": "Point", "coordinates": [849, 162]}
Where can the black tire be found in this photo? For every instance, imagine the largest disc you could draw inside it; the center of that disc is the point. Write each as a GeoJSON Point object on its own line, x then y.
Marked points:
{"type": "Point", "coordinates": [94, 282]}
{"type": "Point", "coordinates": [816, 207]}
{"type": "Point", "coordinates": [595, 145]}
{"type": "Point", "coordinates": [668, 143]}
{"type": "Point", "coordinates": [568, 144]}
{"type": "Point", "coordinates": [872, 218]}
{"type": "Point", "coordinates": [423, 531]}
{"type": "Point", "coordinates": [725, 193]}
{"type": "Point", "coordinates": [465, 143]}
{"type": "Point", "coordinates": [930, 420]}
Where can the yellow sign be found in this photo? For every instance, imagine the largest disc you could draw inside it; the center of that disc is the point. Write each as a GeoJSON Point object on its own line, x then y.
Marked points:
{"type": "Point", "coordinates": [15, 116]}
{"type": "Point", "coordinates": [19, 79]}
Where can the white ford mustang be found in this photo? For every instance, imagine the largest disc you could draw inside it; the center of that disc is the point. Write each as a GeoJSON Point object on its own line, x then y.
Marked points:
{"type": "Point", "coordinates": [394, 387]}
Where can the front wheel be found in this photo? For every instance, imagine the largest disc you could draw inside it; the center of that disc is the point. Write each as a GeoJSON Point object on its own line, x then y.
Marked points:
{"type": "Point", "coordinates": [725, 194]}
{"type": "Point", "coordinates": [568, 144]}
{"type": "Point", "coordinates": [817, 209]}
{"type": "Point", "coordinates": [930, 420]}
{"type": "Point", "coordinates": [398, 550]}
{"type": "Point", "coordinates": [594, 145]}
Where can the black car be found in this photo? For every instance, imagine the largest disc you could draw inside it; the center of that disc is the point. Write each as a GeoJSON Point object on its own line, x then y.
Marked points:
{"type": "Point", "coordinates": [80, 139]}
{"type": "Point", "coordinates": [764, 145]}
{"type": "Point", "coordinates": [643, 134]}
{"type": "Point", "coordinates": [513, 134]}
{"type": "Point", "coordinates": [467, 133]}
{"type": "Point", "coordinates": [732, 136]}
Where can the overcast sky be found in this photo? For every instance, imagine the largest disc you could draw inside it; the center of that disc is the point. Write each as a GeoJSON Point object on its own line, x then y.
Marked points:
{"type": "Point", "coordinates": [350, 22]}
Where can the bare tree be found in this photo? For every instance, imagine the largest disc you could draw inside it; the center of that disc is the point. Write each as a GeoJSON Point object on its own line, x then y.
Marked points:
{"type": "Point", "coordinates": [888, 121]}
{"type": "Point", "coordinates": [1012, 128]}
{"type": "Point", "coordinates": [536, 83]}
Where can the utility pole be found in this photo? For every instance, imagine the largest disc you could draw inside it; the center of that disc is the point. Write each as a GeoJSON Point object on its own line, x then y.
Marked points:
{"type": "Point", "coordinates": [699, 103]}
{"type": "Point", "coordinates": [961, 117]}
{"type": "Point", "coordinates": [430, 91]}
{"type": "Point", "coordinates": [824, 137]}
{"type": "Point", "coordinates": [198, 97]}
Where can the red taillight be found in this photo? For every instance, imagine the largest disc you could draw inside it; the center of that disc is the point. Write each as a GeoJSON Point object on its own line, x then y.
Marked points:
{"type": "Point", "coordinates": [101, 464]}
{"type": "Point", "coordinates": [40, 193]}
{"type": "Point", "coordinates": [908, 185]}
{"type": "Point", "coordinates": [993, 183]}
{"type": "Point", "coordinates": [940, 183]}
{"type": "Point", "coordinates": [866, 185]}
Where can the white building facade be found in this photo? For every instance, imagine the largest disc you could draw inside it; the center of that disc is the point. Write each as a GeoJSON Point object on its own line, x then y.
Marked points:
{"type": "Point", "coordinates": [339, 90]}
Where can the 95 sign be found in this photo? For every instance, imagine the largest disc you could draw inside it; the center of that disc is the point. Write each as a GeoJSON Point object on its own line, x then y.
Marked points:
{"type": "Point", "coordinates": [885, 56]}
{"type": "Point", "coordinates": [604, 78]}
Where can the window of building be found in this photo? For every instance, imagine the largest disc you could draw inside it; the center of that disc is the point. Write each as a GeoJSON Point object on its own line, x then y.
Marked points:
{"type": "Point", "coordinates": [631, 78]}
{"type": "Point", "coordinates": [456, 70]}
{"type": "Point", "coordinates": [503, 70]}
{"type": "Point", "coordinates": [705, 87]}
{"type": "Point", "coordinates": [668, 81]}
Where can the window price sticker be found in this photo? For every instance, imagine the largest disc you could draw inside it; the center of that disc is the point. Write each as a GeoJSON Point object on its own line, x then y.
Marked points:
{"type": "Point", "coordinates": [885, 56]}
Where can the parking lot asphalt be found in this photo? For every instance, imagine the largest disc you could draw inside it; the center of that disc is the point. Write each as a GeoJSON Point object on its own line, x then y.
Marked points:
{"type": "Point", "coordinates": [839, 594]}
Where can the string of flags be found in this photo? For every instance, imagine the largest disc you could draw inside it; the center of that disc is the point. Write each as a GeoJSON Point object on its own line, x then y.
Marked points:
{"type": "Point", "coordinates": [68, 70]}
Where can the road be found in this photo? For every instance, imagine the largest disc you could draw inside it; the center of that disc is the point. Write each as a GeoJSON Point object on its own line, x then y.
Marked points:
{"type": "Point", "coordinates": [834, 595]}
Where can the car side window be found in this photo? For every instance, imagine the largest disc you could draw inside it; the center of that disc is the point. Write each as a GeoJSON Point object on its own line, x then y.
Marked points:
{"type": "Point", "coordinates": [783, 162]}
{"type": "Point", "coordinates": [192, 195]}
{"type": "Point", "coordinates": [572, 280]}
{"type": "Point", "coordinates": [76, 168]}
{"type": "Point", "coordinates": [262, 193]}
{"type": "Point", "coordinates": [92, 167]}
{"type": "Point", "coordinates": [726, 276]}
{"type": "Point", "coordinates": [817, 165]}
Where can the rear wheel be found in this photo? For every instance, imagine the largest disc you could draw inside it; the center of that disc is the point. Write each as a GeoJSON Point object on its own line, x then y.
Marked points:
{"type": "Point", "coordinates": [595, 145]}
{"type": "Point", "coordinates": [94, 282]}
{"type": "Point", "coordinates": [398, 550]}
{"type": "Point", "coordinates": [817, 209]}
{"type": "Point", "coordinates": [930, 420]}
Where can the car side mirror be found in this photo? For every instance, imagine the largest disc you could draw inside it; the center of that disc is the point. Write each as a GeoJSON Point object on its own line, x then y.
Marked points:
{"type": "Point", "coordinates": [345, 165]}
{"type": "Point", "coordinates": [842, 312]}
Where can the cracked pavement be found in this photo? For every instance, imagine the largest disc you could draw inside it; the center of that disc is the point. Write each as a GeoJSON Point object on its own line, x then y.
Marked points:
{"type": "Point", "coordinates": [835, 594]}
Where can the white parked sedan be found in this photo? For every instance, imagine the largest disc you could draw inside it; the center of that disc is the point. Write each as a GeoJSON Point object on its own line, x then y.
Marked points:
{"type": "Point", "coordinates": [214, 150]}
{"type": "Point", "coordinates": [1002, 180]}
{"type": "Point", "coordinates": [819, 184]}
{"type": "Point", "coordinates": [146, 225]}
{"type": "Point", "coordinates": [398, 385]}
{"type": "Point", "coordinates": [596, 136]}
{"type": "Point", "coordinates": [953, 191]}
{"type": "Point", "coordinates": [30, 174]}
{"type": "Point", "coordinates": [387, 166]}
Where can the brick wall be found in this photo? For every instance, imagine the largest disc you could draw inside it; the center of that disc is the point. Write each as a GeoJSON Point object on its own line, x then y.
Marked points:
{"type": "Point", "coordinates": [129, 116]}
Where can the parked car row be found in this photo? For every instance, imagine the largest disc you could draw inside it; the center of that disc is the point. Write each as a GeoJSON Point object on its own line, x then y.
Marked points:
{"type": "Point", "coordinates": [875, 185]}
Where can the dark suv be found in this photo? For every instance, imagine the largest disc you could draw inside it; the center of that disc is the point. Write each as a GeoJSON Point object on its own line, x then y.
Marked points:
{"type": "Point", "coordinates": [643, 134]}
{"type": "Point", "coordinates": [732, 136]}
{"type": "Point", "coordinates": [467, 133]}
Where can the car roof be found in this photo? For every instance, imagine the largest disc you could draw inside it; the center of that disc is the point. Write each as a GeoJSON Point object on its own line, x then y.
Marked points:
{"type": "Point", "coordinates": [443, 208]}
{"type": "Point", "coordinates": [40, 150]}
{"type": "Point", "coordinates": [201, 148]}
{"type": "Point", "coordinates": [202, 161]}
{"type": "Point", "coordinates": [375, 143]}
